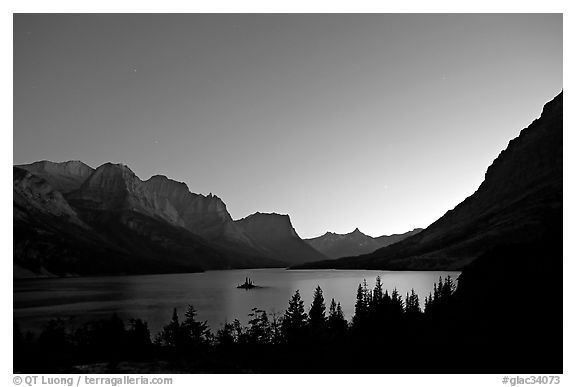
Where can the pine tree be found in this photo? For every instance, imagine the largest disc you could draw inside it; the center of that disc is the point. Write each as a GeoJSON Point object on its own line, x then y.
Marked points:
{"type": "Point", "coordinates": [377, 310]}
{"type": "Point", "coordinates": [317, 314]}
{"type": "Point", "coordinates": [396, 304]}
{"type": "Point", "coordinates": [340, 314]}
{"type": "Point", "coordinates": [225, 335]}
{"type": "Point", "coordinates": [359, 308]}
{"type": "Point", "coordinates": [439, 289]}
{"type": "Point", "coordinates": [194, 332]}
{"type": "Point", "coordinates": [428, 304]}
{"type": "Point", "coordinates": [332, 310]}
{"type": "Point", "coordinates": [239, 332]}
{"type": "Point", "coordinates": [448, 288]}
{"type": "Point", "coordinates": [386, 299]}
{"type": "Point", "coordinates": [171, 335]}
{"type": "Point", "coordinates": [276, 329]}
{"type": "Point", "coordinates": [377, 294]}
{"type": "Point", "coordinates": [407, 302]}
{"type": "Point", "coordinates": [362, 308]}
{"type": "Point", "coordinates": [138, 336]}
{"type": "Point", "coordinates": [259, 331]}
{"type": "Point", "coordinates": [294, 321]}
{"type": "Point", "coordinates": [337, 324]}
{"type": "Point", "coordinates": [412, 304]}
{"type": "Point", "coordinates": [367, 296]}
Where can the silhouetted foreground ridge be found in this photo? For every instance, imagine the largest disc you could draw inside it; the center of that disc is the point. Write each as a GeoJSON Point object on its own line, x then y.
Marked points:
{"type": "Point", "coordinates": [521, 192]}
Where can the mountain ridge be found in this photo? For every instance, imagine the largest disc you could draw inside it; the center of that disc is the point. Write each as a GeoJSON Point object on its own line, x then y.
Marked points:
{"type": "Point", "coordinates": [113, 210]}
{"type": "Point", "coordinates": [354, 243]}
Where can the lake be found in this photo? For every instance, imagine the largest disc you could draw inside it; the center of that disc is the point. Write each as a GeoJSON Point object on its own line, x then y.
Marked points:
{"type": "Point", "coordinates": [213, 294]}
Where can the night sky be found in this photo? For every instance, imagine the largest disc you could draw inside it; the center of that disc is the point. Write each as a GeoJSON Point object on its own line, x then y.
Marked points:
{"type": "Point", "coordinates": [378, 121]}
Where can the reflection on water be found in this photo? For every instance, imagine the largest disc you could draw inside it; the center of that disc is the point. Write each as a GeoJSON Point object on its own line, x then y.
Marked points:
{"type": "Point", "coordinates": [213, 294]}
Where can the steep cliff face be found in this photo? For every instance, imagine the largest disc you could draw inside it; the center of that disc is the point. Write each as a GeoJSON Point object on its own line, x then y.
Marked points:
{"type": "Point", "coordinates": [354, 243]}
{"type": "Point", "coordinates": [115, 223]}
{"type": "Point", "coordinates": [32, 194]}
{"type": "Point", "coordinates": [204, 215]}
{"type": "Point", "coordinates": [114, 187]}
{"type": "Point", "coordinates": [51, 239]}
{"type": "Point", "coordinates": [275, 226]}
{"type": "Point", "coordinates": [520, 198]}
{"type": "Point", "coordinates": [275, 236]}
{"type": "Point", "coordinates": [63, 177]}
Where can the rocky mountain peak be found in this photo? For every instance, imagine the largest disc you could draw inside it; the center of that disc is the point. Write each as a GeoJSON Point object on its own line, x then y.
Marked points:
{"type": "Point", "coordinates": [272, 223]}
{"type": "Point", "coordinates": [275, 235]}
{"type": "Point", "coordinates": [204, 215]}
{"type": "Point", "coordinates": [115, 168]}
{"type": "Point", "coordinates": [353, 243]}
{"type": "Point", "coordinates": [34, 194]}
{"type": "Point", "coordinates": [64, 176]}
{"type": "Point", "coordinates": [72, 166]}
{"type": "Point", "coordinates": [112, 177]}
{"type": "Point", "coordinates": [175, 190]}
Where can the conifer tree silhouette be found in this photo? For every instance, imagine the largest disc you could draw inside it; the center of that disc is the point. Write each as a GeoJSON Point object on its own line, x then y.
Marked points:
{"type": "Point", "coordinates": [259, 327]}
{"type": "Point", "coordinates": [336, 324]}
{"type": "Point", "coordinates": [317, 313]}
{"type": "Point", "coordinates": [317, 317]}
{"type": "Point", "coordinates": [194, 332]}
{"type": "Point", "coordinates": [294, 321]}
{"type": "Point", "coordinates": [171, 335]}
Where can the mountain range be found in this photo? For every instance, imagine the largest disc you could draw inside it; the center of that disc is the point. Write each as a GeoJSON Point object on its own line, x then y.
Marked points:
{"type": "Point", "coordinates": [71, 219]}
{"type": "Point", "coordinates": [354, 243]}
{"type": "Point", "coordinates": [518, 203]}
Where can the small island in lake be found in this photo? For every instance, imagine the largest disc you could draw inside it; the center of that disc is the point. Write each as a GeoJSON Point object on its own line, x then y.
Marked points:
{"type": "Point", "coordinates": [248, 284]}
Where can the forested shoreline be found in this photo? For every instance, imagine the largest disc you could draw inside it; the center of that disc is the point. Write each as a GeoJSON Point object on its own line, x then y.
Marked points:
{"type": "Point", "coordinates": [388, 332]}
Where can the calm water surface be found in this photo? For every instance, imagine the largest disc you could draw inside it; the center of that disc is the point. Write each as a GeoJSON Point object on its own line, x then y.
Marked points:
{"type": "Point", "coordinates": [213, 294]}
